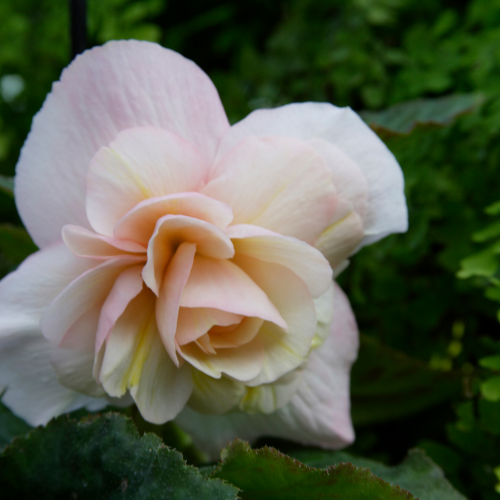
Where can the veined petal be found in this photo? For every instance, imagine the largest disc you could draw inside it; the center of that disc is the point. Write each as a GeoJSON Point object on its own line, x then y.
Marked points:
{"type": "Point", "coordinates": [386, 210]}
{"type": "Point", "coordinates": [317, 415]}
{"type": "Point", "coordinates": [107, 89]}
{"type": "Point", "coordinates": [82, 294]}
{"type": "Point", "coordinates": [26, 292]}
{"type": "Point", "coordinates": [278, 183]}
{"type": "Point", "coordinates": [170, 231]}
{"type": "Point", "coordinates": [214, 396]}
{"type": "Point", "coordinates": [285, 350]}
{"type": "Point", "coordinates": [220, 284]}
{"type": "Point", "coordinates": [33, 390]}
{"type": "Point", "coordinates": [303, 259]}
{"type": "Point", "coordinates": [140, 163]}
{"type": "Point", "coordinates": [85, 243]}
{"type": "Point", "coordinates": [126, 287]}
{"type": "Point", "coordinates": [140, 222]}
{"type": "Point", "coordinates": [168, 303]}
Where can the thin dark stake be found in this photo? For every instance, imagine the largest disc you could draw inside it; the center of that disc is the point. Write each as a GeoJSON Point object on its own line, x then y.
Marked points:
{"type": "Point", "coordinates": [78, 33]}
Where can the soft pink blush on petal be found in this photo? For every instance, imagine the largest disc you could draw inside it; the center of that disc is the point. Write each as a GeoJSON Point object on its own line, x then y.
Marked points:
{"type": "Point", "coordinates": [172, 287]}
{"type": "Point", "coordinates": [303, 259]}
{"type": "Point", "coordinates": [140, 222]}
{"type": "Point", "coordinates": [141, 163]}
{"type": "Point", "coordinates": [170, 231]}
{"type": "Point", "coordinates": [82, 294]}
{"type": "Point", "coordinates": [220, 284]}
{"type": "Point", "coordinates": [386, 209]}
{"type": "Point", "coordinates": [85, 243]}
{"type": "Point", "coordinates": [121, 85]}
{"type": "Point", "coordinates": [277, 183]}
{"type": "Point", "coordinates": [317, 415]}
{"type": "Point", "coordinates": [126, 287]}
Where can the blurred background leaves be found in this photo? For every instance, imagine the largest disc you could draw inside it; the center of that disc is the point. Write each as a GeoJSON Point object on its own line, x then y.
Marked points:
{"type": "Point", "coordinates": [409, 66]}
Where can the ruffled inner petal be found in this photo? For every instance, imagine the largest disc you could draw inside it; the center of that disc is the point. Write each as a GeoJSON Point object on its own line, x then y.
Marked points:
{"type": "Point", "coordinates": [139, 224]}
{"type": "Point", "coordinates": [277, 183]}
{"type": "Point", "coordinates": [140, 163]}
{"type": "Point", "coordinates": [221, 284]}
{"type": "Point", "coordinates": [170, 232]}
{"type": "Point", "coordinates": [85, 243]}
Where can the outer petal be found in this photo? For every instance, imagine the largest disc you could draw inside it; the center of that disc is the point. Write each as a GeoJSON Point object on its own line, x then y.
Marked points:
{"type": "Point", "coordinates": [386, 210]}
{"type": "Point", "coordinates": [318, 413]}
{"type": "Point", "coordinates": [80, 296]}
{"type": "Point", "coordinates": [105, 90]}
{"type": "Point", "coordinates": [33, 390]}
{"type": "Point", "coordinates": [140, 163]}
{"type": "Point", "coordinates": [26, 293]}
{"type": "Point", "coordinates": [277, 183]}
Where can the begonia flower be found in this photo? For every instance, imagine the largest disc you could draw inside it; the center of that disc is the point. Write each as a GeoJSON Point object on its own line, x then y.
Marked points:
{"type": "Point", "coordinates": [185, 264]}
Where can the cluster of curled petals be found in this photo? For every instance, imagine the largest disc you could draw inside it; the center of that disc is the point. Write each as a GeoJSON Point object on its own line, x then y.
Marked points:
{"type": "Point", "coordinates": [186, 265]}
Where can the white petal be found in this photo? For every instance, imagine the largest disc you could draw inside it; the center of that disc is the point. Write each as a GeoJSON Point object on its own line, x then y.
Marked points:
{"type": "Point", "coordinates": [386, 211]}
{"type": "Point", "coordinates": [140, 222]}
{"type": "Point", "coordinates": [140, 163]}
{"type": "Point", "coordinates": [303, 259]}
{"type": "Point", "coordinates": [278, 183]}
{"type": "Point", "coordinates": [317, 415]}
{"type": "Point", "coordinates": [105, 90]}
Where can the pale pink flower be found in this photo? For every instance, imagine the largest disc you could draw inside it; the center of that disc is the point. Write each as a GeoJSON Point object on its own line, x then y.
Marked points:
{"type": "Point", "coordinates": [186, 265]}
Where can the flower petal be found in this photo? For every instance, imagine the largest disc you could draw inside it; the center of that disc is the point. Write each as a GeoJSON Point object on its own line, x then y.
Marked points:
{"type": "Point", "coordinates": [140, 163]}
{"type": "Point", "coordinates": [105, 90]}
{"type": "Point", "coordinates": [168, 303]}
{"type": "Point", "coordinates": [303, 259]}
{"type": "Point", "coordinates": [285, 350]}
{"type": "Point", "coordinates": [220, 284]}
{"type": "Point", "coordinates": [26, 292]}
{"type": "Point", "coordinates": [241, 363]}
{"type": "Point", "coordinates": [85, 243]}
{"type": "Point", "coordinates": [277, 183]}
{"type": "Point", "coordinates": [318, 413]}
{"type": "Point", "coordinates": [140, 222]}
{"type": "Point", "coordinates": [126, 287]}
{"type": "Point", "coordinates": [135, 359]}
{"type": "Point", "coordinates": [170, 231]}
{"type": "Point", "coordinates": [82, 294]}
{"type": "Point", "coordinates": [386, 211]}
{"type": "Point", "coordinates": [192, 323]}
{"type": "Point", "coordinates": [33, 390]}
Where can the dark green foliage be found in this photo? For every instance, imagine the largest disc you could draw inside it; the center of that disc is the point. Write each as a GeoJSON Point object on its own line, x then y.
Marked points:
{"type": "Point", "coordinates": [417, 473]}
{"type": "Point", "coordinates": [101, 457]}
{"type": "Point", "coordinates": [388, 384]}
{"type": "Point", "coordinates": [10, 426]}
{"type": "Point", "coordinates": [268, 474]}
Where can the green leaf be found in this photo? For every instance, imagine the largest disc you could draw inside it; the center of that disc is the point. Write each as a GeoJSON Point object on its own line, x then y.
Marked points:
{"type": "Point", "coordinates": [15, 243]}
{"type": "Point", "coordinates": [101, 457]}
{"type": "Point", "coordinates": [490, 389]}
{"type": "Point", "coordinates": [417, 473]}
{"type": "Point", "coordinates": [7, 185]}
{"type": "Point", "coordinates": [387, 384]}
{"type": "Point", "coordinates": [484, 263]}
{"type": "Point", "coordinates": [10, 426]}
{"type": "Point", "coordinates": [493, 209]}
{"type": "Point", "coordinates": [268, 474]}
{"type": "Point", "coordinates": [403, 118]}
{"type": "Point", "coordinates": [487, 233]}
{"type": "Point", "coordinates": [491, 362]}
